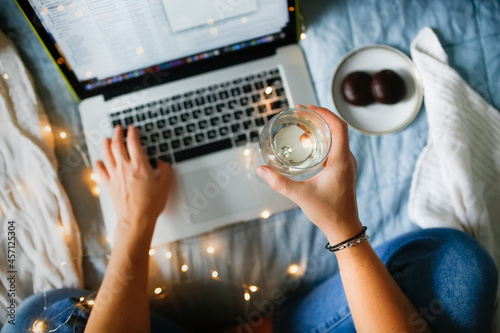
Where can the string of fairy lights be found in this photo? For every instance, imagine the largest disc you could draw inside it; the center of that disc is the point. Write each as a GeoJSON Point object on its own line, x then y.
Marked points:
{"type": "Point", "coordinates": [89, 300]}
{"type": "Point", "coordinates": [158, 291]}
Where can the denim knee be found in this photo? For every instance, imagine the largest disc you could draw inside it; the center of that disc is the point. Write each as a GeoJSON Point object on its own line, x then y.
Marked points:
{"type": "Point", "coordinates": [59, 303]}
{"type": "Point", "coordinates": [450, 279]}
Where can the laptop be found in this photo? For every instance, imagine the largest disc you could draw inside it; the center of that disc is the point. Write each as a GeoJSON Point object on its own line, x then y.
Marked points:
{"type": "Point", "coordinates": [198, 78]}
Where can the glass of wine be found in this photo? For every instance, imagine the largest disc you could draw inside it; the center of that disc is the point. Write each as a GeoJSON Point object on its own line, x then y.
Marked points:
{"type": "Point", "coordinates": [295, 143]}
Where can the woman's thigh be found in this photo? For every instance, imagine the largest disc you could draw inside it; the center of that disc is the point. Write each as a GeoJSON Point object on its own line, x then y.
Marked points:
{"type": "Point", "coordinates": [447, 275]}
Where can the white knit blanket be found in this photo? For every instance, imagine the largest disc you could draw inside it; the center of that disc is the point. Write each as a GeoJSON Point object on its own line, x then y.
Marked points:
{"type": "Point", "coordinates": [39, 234]}
{"type": "Point", "coordinates": [456, 182]}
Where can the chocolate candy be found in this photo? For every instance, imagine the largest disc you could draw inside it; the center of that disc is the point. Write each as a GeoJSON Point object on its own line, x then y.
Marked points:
{"type": "Point", "coordinates": [388, 87]}
{"type": "Point", "coordinates": [356, 88]}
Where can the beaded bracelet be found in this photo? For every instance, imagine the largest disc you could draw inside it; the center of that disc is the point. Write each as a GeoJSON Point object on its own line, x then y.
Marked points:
{"type": "Point", "coordinates": [349, 242]}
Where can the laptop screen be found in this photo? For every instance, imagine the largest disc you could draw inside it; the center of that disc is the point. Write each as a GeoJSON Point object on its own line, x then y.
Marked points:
{"type": "Point", "coordinates": [100, 44]}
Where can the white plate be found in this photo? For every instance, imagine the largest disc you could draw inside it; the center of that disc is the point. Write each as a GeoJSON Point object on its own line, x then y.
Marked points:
{"type": "Point", "coordinates": [378, 118]}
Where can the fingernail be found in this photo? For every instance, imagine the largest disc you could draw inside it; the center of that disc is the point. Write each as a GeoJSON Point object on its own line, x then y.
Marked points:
{"type": "Point", "coordinates": [261, 171]}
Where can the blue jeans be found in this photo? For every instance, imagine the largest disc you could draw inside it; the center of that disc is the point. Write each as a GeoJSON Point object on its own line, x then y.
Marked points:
{"type": "Point", "coordinates": [447, 276]}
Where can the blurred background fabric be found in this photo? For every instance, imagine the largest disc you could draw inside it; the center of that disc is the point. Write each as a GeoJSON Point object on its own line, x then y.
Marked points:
{"type": "Point", "coordinates": [38, 229]}
{"type": "Point", "coordinates": [260, 252]}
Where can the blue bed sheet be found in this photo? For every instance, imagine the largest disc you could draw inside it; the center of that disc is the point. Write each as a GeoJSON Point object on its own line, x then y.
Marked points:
{"type": "Point", "coordinates": [259, 252]}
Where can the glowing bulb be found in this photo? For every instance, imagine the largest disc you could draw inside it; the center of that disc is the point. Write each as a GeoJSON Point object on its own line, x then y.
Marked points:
{"type": "Point", "coordinates": [91, 302]}
{"type": "Point", "coordinates": [139, 50]}
{"type": "Point", "coordinates": [210, 249]}
{"type": "Point", "coordinates": [60, 8]}
{"type": "Point", "coordinates": [6, 76]}
{"type": "Point", "coordinates": [184, 268]}
{"type": "Point", "coordinates": [210, 21]}
{"type": "Point", "coordinates": [61, 229]}
{"type": "Point", "coordinates": [291, 9]}
{"type": "Point", "coordinates": [96, 190]}
{"type": "Point", "coordinates": [244, 20]}
{"type": "Point", "coordinates": [253, 288]}
{"type": "Point", "coordinates": [82, 299]}
{"type": "Point", "coordinates": [108, 239]}
{"type": "Point", "coordinates": [247, 296]}
{"type": "Point", "coordinates": [158, 290]}
{"type": "Point", "coordinates": [78, 13]}
{"type": "Point", "coordinates": [214, 31]}
{"type": "Point", "coordinates": [93, 176]}
{"type": "Point", "coordinates": [215, 274]}
{"type": "Point", "coordinates": [47, 128]}
{"type": "Point", "coordinates": [63, 263]}
{"type": "Point", "coordinates": [63, 135]}
{"type": "Point", "coordinates": [303, 35]}
{"type": "Point", "coordinates": [265, 214]}
{"type": "Point", "coordinates": [152, 251]}
{"type": "Point", "coordinates": [293, 269]}
{"type": "Point", "coordinates": [38, 326]}
{"type": "Point", "coordinates": [269, 90]}
{"type": "Point", "coordinates": [246, 152]}
{"type": "Point", "coordinates": [19, 188]}
{"type": "Point", "coordinates": [88, 73]}
{"type": "Point", "coordinates": [168, 254]}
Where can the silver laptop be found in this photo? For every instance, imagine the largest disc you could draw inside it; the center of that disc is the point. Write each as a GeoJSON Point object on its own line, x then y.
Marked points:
{"type": "Point", "coordinates": [199, 78]}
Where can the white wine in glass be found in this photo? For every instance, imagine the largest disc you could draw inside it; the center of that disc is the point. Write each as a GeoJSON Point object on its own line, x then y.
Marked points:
{"type": "Point", "coordinates": [295, 143]}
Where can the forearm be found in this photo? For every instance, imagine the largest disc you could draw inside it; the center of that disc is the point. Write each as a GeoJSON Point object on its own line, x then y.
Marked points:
{"type": "Point", "coordinates": [122, 303]}
{"type": "Point", "coordinates": [377, 303]}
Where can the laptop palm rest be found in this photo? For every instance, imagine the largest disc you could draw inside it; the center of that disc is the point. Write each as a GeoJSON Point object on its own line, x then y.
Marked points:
{"type": "Point", "coordinates": [219, 191]}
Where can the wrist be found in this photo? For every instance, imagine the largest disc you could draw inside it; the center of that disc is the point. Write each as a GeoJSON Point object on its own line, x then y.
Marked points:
{"type": "Point", "coordinates": [359, 252]}
{"type": "Point", "coordinates": [135, 230]}
{"type": "Point", "coordinates": [341, 235]}
{"type": "Point", "coordinates": [341, 231]}
{"type": "Point", "coordinates": [131, 249]}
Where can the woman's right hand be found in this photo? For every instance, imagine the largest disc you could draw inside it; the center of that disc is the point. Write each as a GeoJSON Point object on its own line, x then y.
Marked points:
{"type": "Point", "coordinates": [139, 193]}
{"type": "Point", "coordinates": [328, 199]}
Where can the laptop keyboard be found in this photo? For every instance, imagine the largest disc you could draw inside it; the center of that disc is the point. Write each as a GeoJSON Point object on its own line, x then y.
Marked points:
{"type": "Point", "coordinates": [214, 118]}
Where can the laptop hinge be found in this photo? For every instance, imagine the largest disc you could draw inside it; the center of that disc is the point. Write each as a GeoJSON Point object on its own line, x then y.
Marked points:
{"type": "Point", "coordinates": [157, 78]}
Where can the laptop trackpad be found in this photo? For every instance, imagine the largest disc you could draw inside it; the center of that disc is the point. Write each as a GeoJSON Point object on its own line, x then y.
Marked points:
{"type": "Point", "coordinates": [220, 191]}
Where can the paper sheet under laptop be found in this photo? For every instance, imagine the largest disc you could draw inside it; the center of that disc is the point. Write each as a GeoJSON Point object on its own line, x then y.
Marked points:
{"type": "Point", "coordinates": [182, 16]}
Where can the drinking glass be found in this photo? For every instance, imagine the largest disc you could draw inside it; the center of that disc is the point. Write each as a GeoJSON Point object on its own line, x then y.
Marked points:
{"type": "Point", "coordinates": [295, 143]}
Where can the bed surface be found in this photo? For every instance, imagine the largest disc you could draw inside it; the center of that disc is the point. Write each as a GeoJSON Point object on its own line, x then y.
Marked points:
{"type": "Point", "coordinates": [259, 252]}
